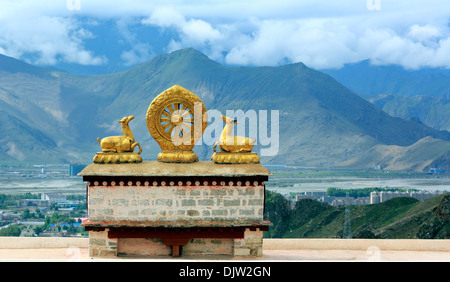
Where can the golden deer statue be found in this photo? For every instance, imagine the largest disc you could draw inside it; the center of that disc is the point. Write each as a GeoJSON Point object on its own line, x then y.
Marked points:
{"type": "Point", "coordinates": [230, 143]}
{"type": "Point", "coordinates": [119, 144]}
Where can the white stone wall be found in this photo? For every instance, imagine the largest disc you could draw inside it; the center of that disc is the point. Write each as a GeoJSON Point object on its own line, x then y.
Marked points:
{"type": "Point", "coordinates": [171, 203]}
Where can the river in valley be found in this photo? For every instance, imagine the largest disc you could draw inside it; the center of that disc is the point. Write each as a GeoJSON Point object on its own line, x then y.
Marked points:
{"type": "Point", "coordinates": [76, 185]}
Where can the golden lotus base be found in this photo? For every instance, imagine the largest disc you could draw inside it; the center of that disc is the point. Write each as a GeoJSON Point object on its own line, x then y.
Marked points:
{"type": "Point", "coordinates": [235, 158]}
{"type": "Point", "coordinates": [177, 156]}
{"type": "Point", "coordinates": [117, 158]}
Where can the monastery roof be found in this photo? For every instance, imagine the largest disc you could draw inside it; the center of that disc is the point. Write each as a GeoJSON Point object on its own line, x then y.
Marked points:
{"type": "Point", "coordinates": [155, 168]}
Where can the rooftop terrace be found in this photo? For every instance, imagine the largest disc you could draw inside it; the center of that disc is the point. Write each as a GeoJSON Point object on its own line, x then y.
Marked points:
{"type": "Point", "coordinates": [62, 249]}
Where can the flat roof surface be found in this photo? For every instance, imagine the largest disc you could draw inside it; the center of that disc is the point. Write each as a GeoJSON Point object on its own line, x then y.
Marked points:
{"type": "Point", "coordinates": [155, 168]}
{"type": "Point", "coordinates": [73, 253]}
{"type": "Point", "coordinates": [290, 250]}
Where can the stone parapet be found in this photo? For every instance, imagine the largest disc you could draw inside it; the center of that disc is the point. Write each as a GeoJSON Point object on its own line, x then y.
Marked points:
{"type": "Point", "coordinates": [169, 203]}
{"type": "Point", "coordinates": [269, 244]}
{"type": "Point", "coordinates": [190, 209]}
{"type": "Point", "coordinates": [101, 245]}
{"type": "Point", "coordinates": [417, 245]}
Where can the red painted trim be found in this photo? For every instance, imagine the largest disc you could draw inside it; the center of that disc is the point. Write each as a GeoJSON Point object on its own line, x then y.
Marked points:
{"type": "Point", "coordinates": [176, 232]}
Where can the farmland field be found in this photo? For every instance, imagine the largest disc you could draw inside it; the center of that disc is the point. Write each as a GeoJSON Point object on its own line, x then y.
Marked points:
{"type": "Point", "coordinates": [284, 180]}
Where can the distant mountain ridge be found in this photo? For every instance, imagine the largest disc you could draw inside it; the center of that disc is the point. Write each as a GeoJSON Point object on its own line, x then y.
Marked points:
{"type": "Point", "coordinates": [432, 111]}
{"type": "Point", "coordinates": [11, 65]}
{"type": "Point", "coordinates": [398, 218]}
{"type": "Point", "coordinates": [365, 78]}
{"type": "Point", "coordinates": [423, 95]}
{"type": "Point", "coordinates": [322, 123]}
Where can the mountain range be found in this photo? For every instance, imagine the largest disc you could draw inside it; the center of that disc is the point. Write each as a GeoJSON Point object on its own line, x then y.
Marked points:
{"type": "Point", "coordinates": [432, 111]}
{"type": "Point", "coordinates": [422, 95]}
{"type": "Point", "coordinates": [50, 116]}
{"type": "Point", "coordinates": [397, 218]}
{"type": "Point", "coordinates": [366, 78]}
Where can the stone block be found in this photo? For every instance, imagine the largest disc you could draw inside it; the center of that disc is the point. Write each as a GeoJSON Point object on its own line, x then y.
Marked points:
{"type": "Point", "coordinates": [247, 212]}
{"type": "Point", "coordinates": [192, 212]}
{"type": "Point", "coordinates": [233, 202]}
{"type": "Point", "coordinates": [207, 246]}
{"type": "Point", "coordinates": [255, 202]}
{"type": "Point", "coordinates": [120, 202]}
{"type": "Point", "coordinates": [241, 252]}
{"type": "Point", "coordinates": [218, 192]}
{"type": "Point", "coordinates": [219, 212]}
{"type": "Point", "coordinates": [188, 202]}
{"type": "Point", "coordinates": [205, 202]}
{"type": "Point", "coordinates": [101, 245]}
{"type": "Point", "coordinates": [194, 192]}
{"type": "Point", "coordinates": [250, 245]}
{"type": "Point", "coordinates": [164, 202]}
{"type": "Point", "coordinates": [143, 247]}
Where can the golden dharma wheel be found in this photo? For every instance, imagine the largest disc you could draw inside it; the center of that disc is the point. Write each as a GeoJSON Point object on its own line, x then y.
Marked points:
{"type": "Point", "coordinates": [176, 119]}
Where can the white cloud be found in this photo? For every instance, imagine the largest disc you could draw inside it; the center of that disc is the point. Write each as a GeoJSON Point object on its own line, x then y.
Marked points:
{"type": "Point", "coordinates": [325, 35]}
{"type": "Point", "coordinates": [200, 31]}
{"type": "Point", "coordinates": [192, 32]}
{"type": "Point", "coordinates": [48, 39]}
{"type": "Point", "coordinates": [140, 53]}
{"type": "Point", "coordinates": [424, 33]}
{"type": "Point", "coordinates": [39, 29]}
{"type": "Point", "coordinates": [414, 50]}
{"type": "Point", "coordinates": [317, 43]}
{"type": "Point", "coordinates": [165, 17]}
{"type": "Point", "coordinates": [331, 43]}
{"type": "Point", "coordinates": [321, 34]}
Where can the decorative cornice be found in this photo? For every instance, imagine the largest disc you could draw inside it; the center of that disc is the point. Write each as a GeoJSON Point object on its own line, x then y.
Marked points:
{"type": "Point", "coordinates": [105, 181]}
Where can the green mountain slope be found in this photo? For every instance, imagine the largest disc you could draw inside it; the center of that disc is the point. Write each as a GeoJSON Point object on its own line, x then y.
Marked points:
{"type": "Point", "coordinates": [432, 111]}
{"type": "Point", "coordinates": [398, 218]}
{"type": "Point", "coordinates": [322, 123]}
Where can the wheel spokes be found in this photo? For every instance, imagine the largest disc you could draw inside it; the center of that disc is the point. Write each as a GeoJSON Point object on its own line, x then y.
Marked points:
{"type": "Point", "coordinates": [187, 126]}
{"type": "Point", "coordinates": [165, 113]}
{"type": "Point", "coordinates": [183, 108]}
{"type": "Point", "coordinates": [177, 131]}
{"type": "Point", "coordinates": [165, 126]}
{"type": "Point", "coordinates": [187, 112]}
{"type": "Point", "coordinates": [170, 119]}
{"type": "Point", "coordinates": [188, 120]}
{"type": "Point", "coordinates": [172, 126]}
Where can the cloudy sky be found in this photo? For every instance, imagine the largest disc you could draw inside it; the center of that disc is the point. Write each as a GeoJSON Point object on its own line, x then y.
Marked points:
{"type": "Point", "coordinates": [320, 33]}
